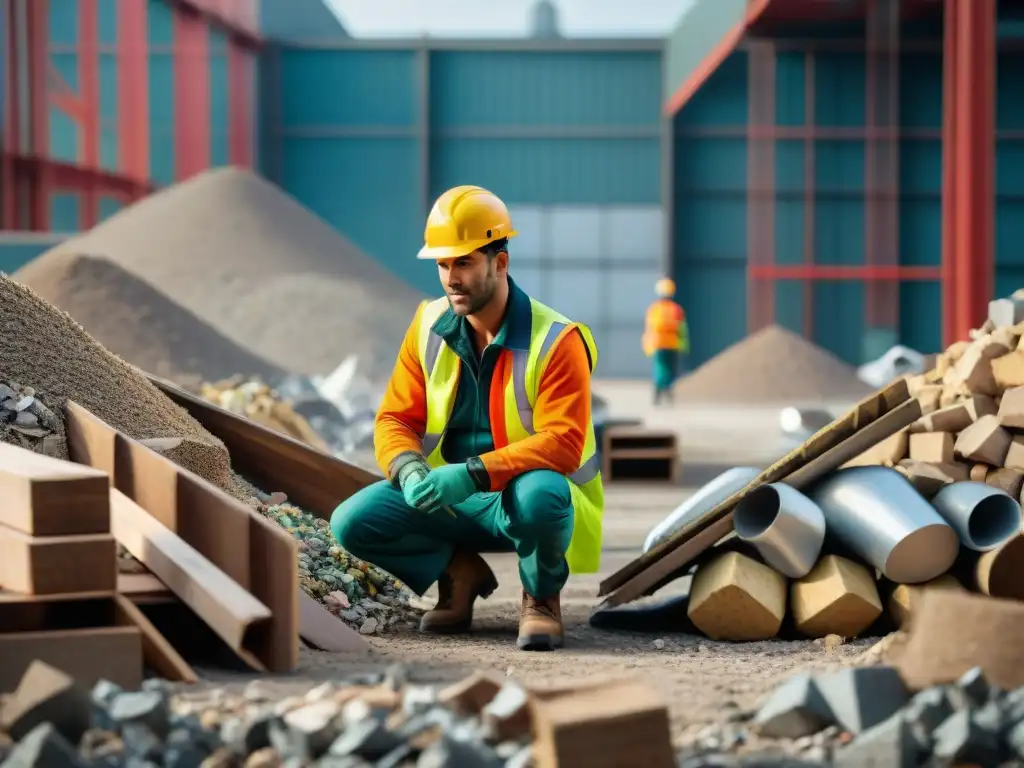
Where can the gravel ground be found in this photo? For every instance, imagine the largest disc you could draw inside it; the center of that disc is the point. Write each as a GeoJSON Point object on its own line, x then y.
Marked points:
{"type": "Point", "coordinates": [703, 681]}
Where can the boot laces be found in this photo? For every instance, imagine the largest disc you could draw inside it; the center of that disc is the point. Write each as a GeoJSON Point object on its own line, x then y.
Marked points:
{"type": "Point", "coordinates": [539, 607]}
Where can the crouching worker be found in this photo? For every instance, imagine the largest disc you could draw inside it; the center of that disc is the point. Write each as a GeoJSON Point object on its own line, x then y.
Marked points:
{"type": "Point", "coordinates": [485, 436]}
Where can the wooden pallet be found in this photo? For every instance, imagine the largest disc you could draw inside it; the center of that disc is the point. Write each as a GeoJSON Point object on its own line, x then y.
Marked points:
{"type": "Point", "coordinates": [638, 454]}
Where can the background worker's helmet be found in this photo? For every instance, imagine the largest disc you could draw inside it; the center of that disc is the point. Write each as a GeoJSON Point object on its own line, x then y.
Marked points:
{"type": "Point", "coordinates": [464, 219]}
{"type": "Point", "coordinates": [665, 288]}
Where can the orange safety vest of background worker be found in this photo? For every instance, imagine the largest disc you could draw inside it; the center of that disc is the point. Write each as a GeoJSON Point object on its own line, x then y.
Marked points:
{"type": "Point", "coordinates": [666, 339]}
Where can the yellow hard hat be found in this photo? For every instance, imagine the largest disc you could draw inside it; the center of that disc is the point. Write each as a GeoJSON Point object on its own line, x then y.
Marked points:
{"type": "Point", "coordinates": [665, 288]}
{"type": "Point", "coordinates": [464, 219]}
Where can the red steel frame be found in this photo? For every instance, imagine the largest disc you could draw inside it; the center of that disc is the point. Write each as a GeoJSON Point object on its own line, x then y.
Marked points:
{"type": "Point", "coordinates": [29, 176]}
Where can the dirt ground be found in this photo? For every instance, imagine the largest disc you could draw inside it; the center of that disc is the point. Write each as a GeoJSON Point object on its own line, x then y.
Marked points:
{"type": "Point", "coordinates": [703, 681]}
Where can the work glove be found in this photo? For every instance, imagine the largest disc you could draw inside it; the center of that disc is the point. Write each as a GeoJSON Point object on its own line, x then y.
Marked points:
{"type": "Point", "coordinates": [410, 476]}
{"type": "Point", "coordinates": [447, 485]}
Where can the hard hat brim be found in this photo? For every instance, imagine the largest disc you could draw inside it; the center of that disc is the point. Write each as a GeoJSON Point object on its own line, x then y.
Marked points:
{"type": "Point", "coordinates": [441, 252]}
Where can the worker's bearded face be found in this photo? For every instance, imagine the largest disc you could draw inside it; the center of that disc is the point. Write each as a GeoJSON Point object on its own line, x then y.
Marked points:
{"type": "Point", "coordinates": [470, 281]}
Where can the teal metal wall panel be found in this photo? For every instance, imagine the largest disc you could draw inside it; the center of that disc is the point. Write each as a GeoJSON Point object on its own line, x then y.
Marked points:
{"type": "Point", "coordinates": [723, 99]}
{"type": "Point", "coordinates": [325, 88]}
{"type": "Point", "coordinates": [64, 211]}
{"type": "Point", "coordinates": [220, 100]}
{"type": "Point", "coordinates": [840, 89]}
{"type": "Point", "coordinates": [161, 92]}
{"type": "Point", "coordinates": [161, 24]}
{"type": "Point", "coordinates": [364, 188]}
{"type": "Point", "coordinates": [549, 171]}
{"type": "Point", "coordinates": [107, 21]}
{"type": "Point", "coordinates": [64, 132]}
{"type": "Point", "coordinates": [16, 252]}
{"type": "Point", "coordinates": [545, 89]}
{"type": "Point", "coordinates": [921, 315]}
{"type": "Point", "coordinates": [921, 90]}
{"type": "Point", "coordinates": [62, 24]}
{"type": "Point", "coordinates": [299, 20]}
{"type": "Point", "coordinates": [109, 206]}
{"type": "Point", "coordinates": [789, 305]}
{"type": "Point", "coordinates": [108, 112]}
{"type": "Point", "coordinates": [1009, 255]}
{"type": "Point", "coordinates": [839, 319]}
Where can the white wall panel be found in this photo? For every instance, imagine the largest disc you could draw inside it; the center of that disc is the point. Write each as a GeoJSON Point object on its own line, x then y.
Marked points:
{"type": "Point", "coordinates": [574, 232]}
{"type": "Point", "coordinates": [634, 234]}
{"type": "Point", "coordinates": [621, 355]}
{"type": "Point", "coordinates": [529, 222]}
{"type": "Point", "coordinates": [576, 293]}
{"type": "Point", "coordinates": [630, 292]}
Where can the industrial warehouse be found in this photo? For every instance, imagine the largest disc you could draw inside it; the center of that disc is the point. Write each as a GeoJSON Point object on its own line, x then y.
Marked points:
{"type": "Point", "coordinates": [570, 387]}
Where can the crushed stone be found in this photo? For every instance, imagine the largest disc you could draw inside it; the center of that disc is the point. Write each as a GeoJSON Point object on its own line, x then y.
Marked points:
{"type": "Point", "coordinates": [263, 270]}
{"type": "Point", "coordinates": [136, 321]}
{"type": "Point", "coordinates": [773, 365]}
{"type": "Point", "coordinates": [44, 348]}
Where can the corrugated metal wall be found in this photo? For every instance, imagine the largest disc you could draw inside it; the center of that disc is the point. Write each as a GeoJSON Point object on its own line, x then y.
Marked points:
{"type": "Point", "coordinates": [569, 139]}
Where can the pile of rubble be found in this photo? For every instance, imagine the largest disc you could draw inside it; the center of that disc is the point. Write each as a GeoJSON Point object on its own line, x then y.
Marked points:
{"type": "Point", "coordinates": [377, 719]}
{"type": "Point", "coordinates": [25, 421]}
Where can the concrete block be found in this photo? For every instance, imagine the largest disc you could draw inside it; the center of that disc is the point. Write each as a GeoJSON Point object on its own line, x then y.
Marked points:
{"type": "Point", "coordinates": [863, 697]}
{"type": "Point", "coordinates": [890, 743]}
{"type": "Point", "coordinates": [984, 441]}
{"type": "Point", "coordinates": [929, 478]}
{"type": "Point", "coordinates": [927, 711]}
{"type": "Point", "coordinates": [915, 384]}
{"type": "Point", "coordinates": [974, 369]}
{"type": "Point", "coordinates": [955, 351]}
{"type": "Point", "coordinates": [1006, 336]}
{"type": "Point", "coordinates": [934, 447]}
{"type": "Point", "coordinates": [974, 687]}
{"type": "Point", "coordinates": [957, 417]}
{"type": "Point", "coordinates": [46, 694]}
{"type": "Point", "coordinates": [960, 741]}
{"type": "Point", "coordinates": [1006, 312]}
{"type": "Point", "coordinates": [905, 597]}
{"type": "Point", "coordinates": [1008, 371]}
{"type": "Point", "coordinates": [1014, 458]}
{"type": "Point", "coordinates": [929, 396]}
{"type": "Point", "coordinates": [42, 748]}
{"type": "Point", "coordinates": [953, 393]}
{"type": "Point", "coordinates": [793, 710]}
{"type": "Point", "coordinates": [888, 452]}
{"type": "Point", "coordinates": [1009, 480]}
{"type": "Point", "coordinates": [838, 597]}
{"type": "Point", "coordinates": [471, 695]}
{"type": "Point", "coordinates": [1011, 408]}
{"type": "Point", "coordinates": [736, 598]}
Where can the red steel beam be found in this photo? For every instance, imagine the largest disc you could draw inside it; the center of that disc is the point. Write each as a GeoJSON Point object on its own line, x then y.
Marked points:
{"type": "Point", "coordinates": [12, 137]}
{"type": "Point", "coordinates": [868, 273]}
{"type": "Point", "coordinates": [69, 176]}
{"type": "Point", "coordinates": [191, 94]}
{"type": "Point", "coordinates": [238, 18]}
{"type": "Point", "coordinates": [38, 63]}
{"type": "Point", "coordinates": [240, 105]}
{"type": "Point", "coordinates": [133, 89]}
{"type": "Point", "coordinates": [950, 321]}
{"type": "Point", "coordinates": [89, 92]}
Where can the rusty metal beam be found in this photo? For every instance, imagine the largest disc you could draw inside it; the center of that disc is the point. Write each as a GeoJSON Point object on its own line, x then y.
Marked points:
{"type": "Point", "coordinates": [761, 184]}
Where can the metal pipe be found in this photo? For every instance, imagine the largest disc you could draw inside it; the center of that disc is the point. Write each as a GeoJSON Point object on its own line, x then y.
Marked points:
{"type": "Point", "coordinates": [786, 527]}
{"type": "Point", "coordinates": [878, 514]}
{"type": "Point", "coordinates": [983, 517]}
{"type": "Point", "coordinates": [705, 499]}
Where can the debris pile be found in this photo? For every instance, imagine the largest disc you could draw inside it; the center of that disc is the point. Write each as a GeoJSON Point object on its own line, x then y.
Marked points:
{"type": "Point", "coordinates": [771, 366]}
{"type": "Point", "coordinates": [25, 421]}
{"type": "Point", "coordinates": [234, 250]}
{"type": "Point", "coordinates": [375, 719]}
{"type": "Point", "coordinates": [137, 322]}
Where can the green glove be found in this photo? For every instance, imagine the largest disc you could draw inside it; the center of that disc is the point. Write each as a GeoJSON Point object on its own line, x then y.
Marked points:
{"type": "Point", "coordinates": [410, 476]}
{"type": "Point", "coordinates": [447, 485]}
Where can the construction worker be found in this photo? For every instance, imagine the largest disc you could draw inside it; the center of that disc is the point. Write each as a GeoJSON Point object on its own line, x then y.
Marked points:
{"type": "Point", "coordinates": [666, 338]}
{"type": "Point", "coordinates": [485, 437]}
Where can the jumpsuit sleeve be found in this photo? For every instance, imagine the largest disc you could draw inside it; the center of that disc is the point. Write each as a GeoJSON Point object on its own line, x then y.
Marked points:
{"type": "Point", "coordinates": [402, 416]}
{"type": "Point", "coordinates": [560, 417]}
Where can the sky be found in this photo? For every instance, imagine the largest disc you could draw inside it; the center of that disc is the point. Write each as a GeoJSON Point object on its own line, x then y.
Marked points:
{"type": "Point", "coordinates": [482, 18]}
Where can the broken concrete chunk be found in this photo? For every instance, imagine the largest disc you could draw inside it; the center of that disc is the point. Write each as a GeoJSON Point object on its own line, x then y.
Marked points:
{"type": "Point", "coordinates": [151, 708]}
{"type": "Point", "coordinates": [1006, 312]}
{"type": "Point", "coordinates": [927, 711]}
{"type": "Point", "coordinates": [983, 441]}
{"type": "Point", "coordinates": [928, 479]}
{"type": "Point", "coordinates": [863, 697]}
{"type": "Point", "coordinates": [44, 747]}
{"type": "Point", "coordinates": [929, 396]}
{"type": "Point", "coordinates": [978, 473]}
{"type": "Point", "coordinates": [962, 742]}
{"type": "Point", "coordinates": [956, 350]}
{"type": "Point", "coordinates": [838, 597]}
{"type": "Point", "coordinates": [1007, 337]}
{"type": "Point", "coordinates": [974, 369]}
{"type": "Point", "coordinates": [905, 597]}
{"type": "Point", "coordinates": [46, 694]}
{"type": "Point", "coordinates": [890, 743]}
{"type": "Point", "coordinates": [507, 715]}
{"type": "Point", "coordinates": [1008, 371]}
{"type": "Point", "coordinates": [1011, 408]}
{"type": "Point", "coordinates": [736, 598]}
{"type": "Point", "coordinates": [1014, 458]}
{"type": "Point", "coordinates": [795, 709]}
{"type": "Point", "coordinates": [1006, 479]}
{"type": "Point", "coordinates": [888, 452]}
{"type": "Point", "coordinates": [934, 447]}
{"type": "Point", "coordinates": [471, 694]}
{"type": "Point", "coordinates": [977, 690]}
{"type": "Point", "coordinates": [955, 418]}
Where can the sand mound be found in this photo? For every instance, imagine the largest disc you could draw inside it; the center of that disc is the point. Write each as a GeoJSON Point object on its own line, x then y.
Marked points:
{"type": "Point", "coordinates": [267, 273]}
{"type": "Point", "coordinates": [772, 365]}
{"type": "Point", "coordinates": [137, 322]}
{"type": "Point", "coordinates": [45, 349]}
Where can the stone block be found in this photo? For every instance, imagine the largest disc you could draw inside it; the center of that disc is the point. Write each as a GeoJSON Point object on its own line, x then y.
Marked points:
{"type": "Point", "coordinates": [1014, 458]}
{"type": "Point", "coordinates": [1008, 371]}
{"type": "Point", "coordinates": [985, 441]}
{"type": "Point", "coordinates": [974, 369]}
{"type": "Point", "coordinates": [929, 396]}
{"type": "Point", "coordinates": [890, 743]}
{"type": "Point", "coordinates": [736, 598]}
{"type": "Point", "coordinates": [956, 350]}
{"type": "Point", "coordinates": [960, 741]}
{"type": "Point", "coordinates": [838, 597]}
{"type": "Point", "coordinates": [905, 597]}
{"type": "Point", "coordinates": [1006, 479]}
{"type": "Point", "coordinates": [44, 747]}
{"type": "Point", "coordinates": [471, 695]}
{"type": "Point", "coordinates": [888, 452]}
{"type": "Point", "coordinates": [929, 478]}
{"type": "Point", "coordinates": [863, 697]}
{"type": "Point", "coordinates": [793, 710]}
{"type": "Point", "coordinates": [1011, 408]}
{"type": "Point", "coordinates": [1006, 312]}
{"type": "Point", "coordinates": [46, 694]}
{"type": "Point", "coordinates": [933, 447]}
{"type": "Point", "coordinates": [957, 417]}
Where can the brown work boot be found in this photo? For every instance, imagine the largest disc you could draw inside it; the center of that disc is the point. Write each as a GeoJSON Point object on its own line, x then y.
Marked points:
{"type": "Point", "coordinates": [540, 624]}
{"type": "Point", "coordinates": [466, 578]}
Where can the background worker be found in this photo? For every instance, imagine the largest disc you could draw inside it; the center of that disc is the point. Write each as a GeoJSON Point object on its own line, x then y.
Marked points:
{"type": "Point", "coordinates": [485, 436]}
{"type": "Point", "coordinates": [666, 338]}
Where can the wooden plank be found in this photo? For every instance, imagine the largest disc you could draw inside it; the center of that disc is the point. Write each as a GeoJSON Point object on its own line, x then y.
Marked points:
{"type": "Point", "coordinates": [226, 607]}
{"type": "Point", "coordinates": [157, 653]}
{"type": "Point", "coordinates": [326, 632]}
{"type": "Point", "coordinates": [650, 571]}
{"type": "Point", "coordinates": [312, 479]}
{"type": "Point", "coordinates": [43, 496]}
{"type": "Point", "coordinates": [256, 553]}
{"type": "Point", "coordinates": [57, 564]}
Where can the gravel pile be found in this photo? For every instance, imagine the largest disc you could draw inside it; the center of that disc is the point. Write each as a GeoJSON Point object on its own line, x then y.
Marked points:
{"type": "Point", "coordinates": [374, 720]}
{"type": "Point", "coordinates": [260, 268]}
{"type": "Point", "coordinates": [866, 717]}
{"type": "Point", "coordinates": [134, 320]}
{"type": "Point", "coordinates": [44, 348]}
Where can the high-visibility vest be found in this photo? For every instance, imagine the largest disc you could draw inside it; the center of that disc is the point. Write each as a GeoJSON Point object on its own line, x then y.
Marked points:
{"type": "Point", "coordinates": [664, 326]}
{"type": "Point", "coordinates": [441, 366]}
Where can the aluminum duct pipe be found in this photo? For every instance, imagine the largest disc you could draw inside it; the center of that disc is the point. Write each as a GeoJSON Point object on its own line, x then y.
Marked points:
{"type": "Point", "coordinates": [982, 516]}
{"type": "Point", "coordinates": [704, 500]}
{"type": "Point", "coordinates": [877, 513]}
{"type": "Point", "coordinates": [786, 527]}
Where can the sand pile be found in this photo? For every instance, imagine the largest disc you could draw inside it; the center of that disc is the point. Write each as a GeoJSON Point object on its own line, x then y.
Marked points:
{"type": "Point", "coordinates": [261, 269]}
{"type": "Point", "coordinates": [770, 366]}
{"type": "Point", "coordinates": [137, 322]}
{"type": "Point", "coordinates": [45, 349]}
